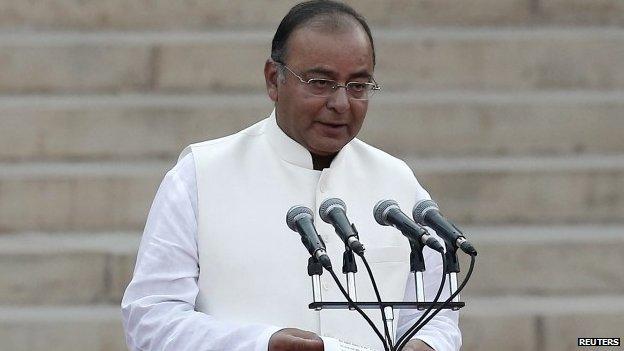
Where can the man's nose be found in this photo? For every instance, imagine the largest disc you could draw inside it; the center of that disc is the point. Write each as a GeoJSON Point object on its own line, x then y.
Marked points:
{"type": "Point", "coordinates": [339, 100]}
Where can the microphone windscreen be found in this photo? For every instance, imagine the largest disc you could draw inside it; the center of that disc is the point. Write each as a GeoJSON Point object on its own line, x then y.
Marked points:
{"type": "Point", "coordinates": [380, 210]}
{"type": "Point", "coordinates": [328, 205]}
{"type": "Point", "coordinates": [295, 213]}
{"type": "Point", "coordinates": [421, 208]}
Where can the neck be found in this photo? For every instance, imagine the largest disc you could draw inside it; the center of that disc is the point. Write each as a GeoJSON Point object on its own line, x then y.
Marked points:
{"type": "Point", "coordinates": [319, 162]}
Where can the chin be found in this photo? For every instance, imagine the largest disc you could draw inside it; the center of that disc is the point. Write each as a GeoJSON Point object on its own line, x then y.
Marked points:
{"type": "Point", "coordinates": [327, 146]}
{"type": "Point", "coordinates": [327, 151]}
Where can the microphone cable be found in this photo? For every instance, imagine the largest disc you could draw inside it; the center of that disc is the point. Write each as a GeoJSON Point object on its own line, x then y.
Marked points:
{"type": "Point", "coordinates": [461, 287]}
{"type": "Point", "coordinates": [359, 310]}
{"type": "Point", "coordinates": [383, 312]}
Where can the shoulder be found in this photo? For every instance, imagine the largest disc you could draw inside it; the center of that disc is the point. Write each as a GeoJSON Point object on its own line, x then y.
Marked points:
{"type": "Point", "coordinates": [224, 142]}
{"type": "Point", "coordinates": [184, 170]}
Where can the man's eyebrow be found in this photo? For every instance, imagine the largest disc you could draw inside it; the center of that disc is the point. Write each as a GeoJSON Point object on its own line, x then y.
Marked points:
{"type": "Point", "coordinates": [362, 74]}
{"type": "Point", "coordinates": [319, 70]}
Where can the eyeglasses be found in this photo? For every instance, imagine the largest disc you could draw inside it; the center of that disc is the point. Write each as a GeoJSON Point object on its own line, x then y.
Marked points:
{"type": "Point", "coordinates": [326, 87]}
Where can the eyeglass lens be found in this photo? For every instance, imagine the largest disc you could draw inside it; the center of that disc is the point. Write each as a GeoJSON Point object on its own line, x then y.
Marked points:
{"type": "Point", "coordinates": [326, 87]}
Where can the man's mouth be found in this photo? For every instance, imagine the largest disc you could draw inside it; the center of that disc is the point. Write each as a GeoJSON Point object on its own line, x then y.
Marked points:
{"type": "Point", "coordinates": [332, 130]}
{"type": "Point", "coordinates": [333, 125]}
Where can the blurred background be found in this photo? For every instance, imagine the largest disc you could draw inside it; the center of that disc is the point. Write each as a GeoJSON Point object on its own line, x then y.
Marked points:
{"type": "Point", "coordinates": [510, 112]}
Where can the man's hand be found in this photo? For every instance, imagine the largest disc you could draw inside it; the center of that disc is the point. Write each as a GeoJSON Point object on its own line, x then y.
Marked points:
{"type": "Point", "coordinates": [291, 339]}
{"type": "Point", "coordinates": [417, 345]}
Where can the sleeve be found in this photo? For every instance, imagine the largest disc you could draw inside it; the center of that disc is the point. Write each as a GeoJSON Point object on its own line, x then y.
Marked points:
{"type": "Point", "coordinates": [158, 306]}
{"type": "Point", "coordinates": [442, 332]}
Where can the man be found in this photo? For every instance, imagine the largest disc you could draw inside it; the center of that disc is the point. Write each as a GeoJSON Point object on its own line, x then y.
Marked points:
{"type": "Point", "coordinates": [218, 269]}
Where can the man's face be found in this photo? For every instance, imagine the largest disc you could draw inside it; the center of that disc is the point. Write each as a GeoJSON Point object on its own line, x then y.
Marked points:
{"type": "Point", "coordinates": [323, 125]}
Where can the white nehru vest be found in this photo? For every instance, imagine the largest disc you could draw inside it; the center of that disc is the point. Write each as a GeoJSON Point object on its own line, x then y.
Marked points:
{"type": "Point", "coordinates": [253, 268]}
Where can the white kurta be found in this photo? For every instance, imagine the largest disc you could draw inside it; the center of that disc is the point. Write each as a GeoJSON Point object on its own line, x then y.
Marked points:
{"type": "Point", "coordinates": [222, 208]}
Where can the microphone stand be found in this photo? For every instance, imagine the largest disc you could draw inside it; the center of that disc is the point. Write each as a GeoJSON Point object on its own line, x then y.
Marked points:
{"type": "Point", "coordinates": [349, 267]}
{"type": "Point", "coordinates": [451, 269]}
{"type": "Point", "coordinates": [315, 269]}
{"type": "Point", "coordinates": [417, 267]}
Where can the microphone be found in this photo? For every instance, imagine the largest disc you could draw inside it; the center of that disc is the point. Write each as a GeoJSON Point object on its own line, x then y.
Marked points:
{"type": "Point", "coordinates": [334, 212]}
{"type": "Point", "coordinates": [388, 212]}
{"type": "Point", "coordinates": [427, 212]}
{"type": "Point", "coordinates": [300, 220]}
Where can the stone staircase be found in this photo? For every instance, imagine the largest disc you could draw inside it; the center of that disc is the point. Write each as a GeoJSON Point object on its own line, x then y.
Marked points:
{"type": "Point", "coordinates": [510, 112]}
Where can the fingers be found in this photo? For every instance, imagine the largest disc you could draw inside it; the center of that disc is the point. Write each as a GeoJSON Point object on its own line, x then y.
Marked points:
{"type": "Point", "coordinates": [417, 345]}
{"type": "Point", "coordinates": [303, 334]}
{"type": "Point", "coordinates": [307, 345]}
{"type": "Point", "coordinates": [291, 339]}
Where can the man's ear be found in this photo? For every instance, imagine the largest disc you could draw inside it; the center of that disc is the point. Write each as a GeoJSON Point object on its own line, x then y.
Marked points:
{"type": "Point", "coordinates": [271, 76]}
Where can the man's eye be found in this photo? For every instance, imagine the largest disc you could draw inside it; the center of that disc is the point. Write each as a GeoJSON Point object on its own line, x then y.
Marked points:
{"type": "Point", "coordinates": [357, 87]}
{"type": "Point", "coordinates": [320, 83]}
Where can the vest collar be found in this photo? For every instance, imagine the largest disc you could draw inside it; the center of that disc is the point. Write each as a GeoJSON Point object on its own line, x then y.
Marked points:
{"type": "Point", "coordinates": [288, 149]}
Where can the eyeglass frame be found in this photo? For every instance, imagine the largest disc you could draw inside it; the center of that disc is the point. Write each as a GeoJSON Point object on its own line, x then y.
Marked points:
{"type": "Point", "coordinates": [373, 84]}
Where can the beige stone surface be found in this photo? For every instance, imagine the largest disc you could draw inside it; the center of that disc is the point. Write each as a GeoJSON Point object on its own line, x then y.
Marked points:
{"type": "Point", "coordinates": [597, 12]}
{"type": "Point", "coordinates": [66, 269]}
{"type": "Point", "coordinates": [433, 126]}
{"type": "Point", "coordinates": [507, 59]}
{"type": "Point", "coordinates": [424, 125]}
{"type": "Point", "coordinates": [73, 67]}
{"type": "Point", "coordinates": [423, 59]}
{"type": "Point", "coordinates": [557, 321]}
{"type": "Point", "coordinates": [110, 131]}
{"type": "Point", "coordinates": [150, 14]}
{"type": "Point", "coordinates": [516, 333]}
{"type": "Point", "coordinates": [77, 197]}
{"type": "Point", "coordinates": [562, 331]}
{"type": "Point", "coordinates": [226, 64]}
{"type": "Point", "coordinates": [70, 278]}
{"type": "Point", "coordinates": [121, 268]}
{"type": "Point", "coordinates": [453, 13]}
{"type": "Point", "coordinates": [61, 329]}
{"type": "Point", "coordinates": [547, 194]}
{"type": "Point", "coordinates": [114, 130]}
{"type": "Point", "coordinates": [545, 261]}
{"type": "Point", "coordinates": [161, 14]}
{"type": "Point", "coordinates": [547, 59]}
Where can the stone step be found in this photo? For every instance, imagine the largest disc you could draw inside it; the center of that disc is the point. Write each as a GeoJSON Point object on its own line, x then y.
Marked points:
{"type": "Point", "coordinates": [78, 196]}
{"type": "Point", "coordinates": [518, 322]}
{"type": "Point", "coordinates": [545, 260]}
{"type": "Point", "coordinates": [61, 328]}
{"type": "Point", "coordinates": [93, 15]}
{"type": "Point", "coordinates": [95, 268]}
{"type": "Point", "coordinates": [116, 195]}
{"type": "Point", "coordinates": [428, 59]}
{"type": "Point", "coordinates": [108, 127]}
{"type": "Point", "coordinates": [66, 269]}
{"type": "Point", "coordinates": [526, 189]}
{"type": "Point", "coordinates": [539, 323]}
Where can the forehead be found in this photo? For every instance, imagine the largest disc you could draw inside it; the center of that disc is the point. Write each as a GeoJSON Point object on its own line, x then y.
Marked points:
{"type": "Point", "coordinates": [344, 52]}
